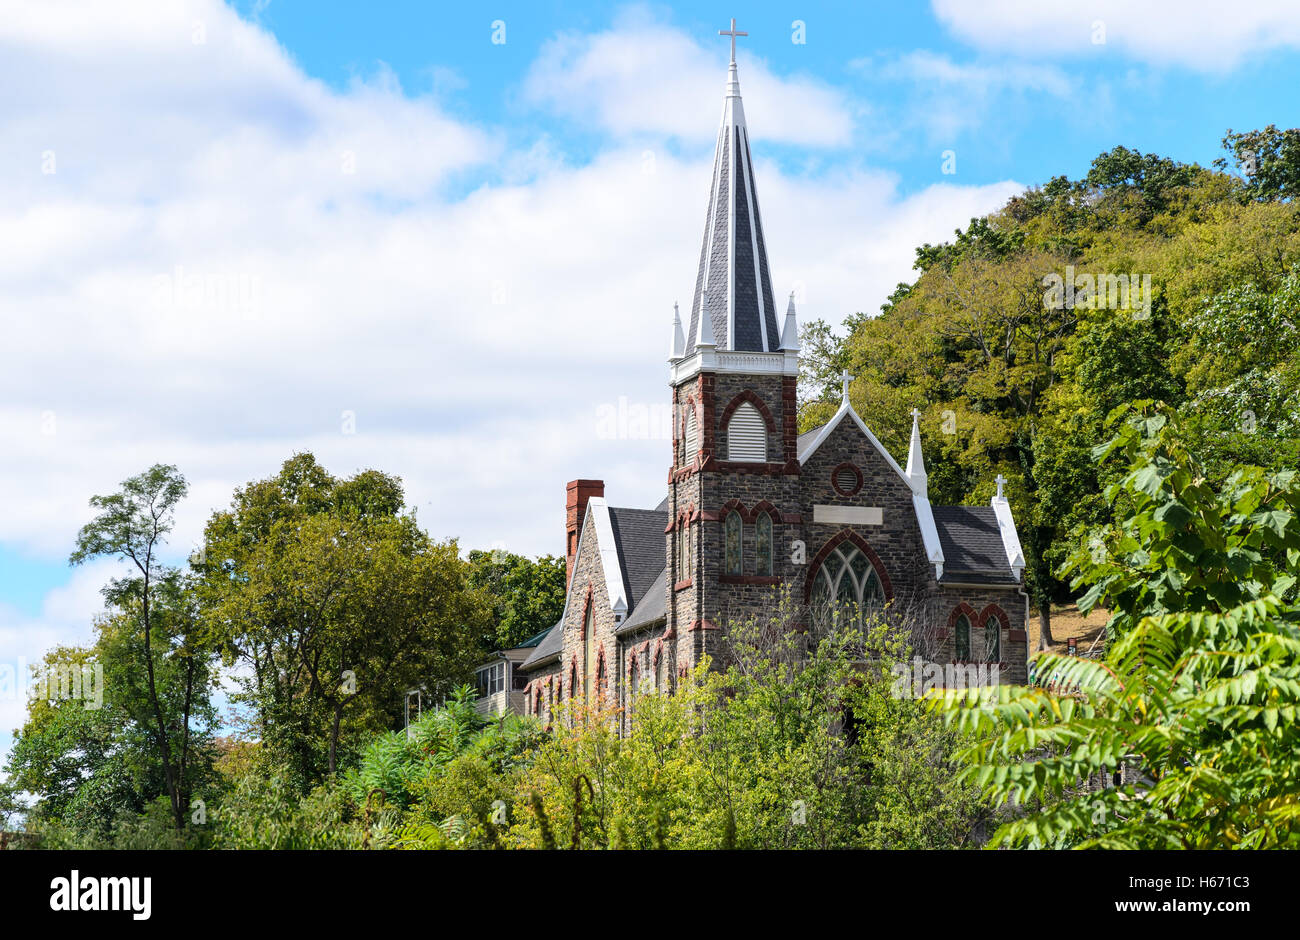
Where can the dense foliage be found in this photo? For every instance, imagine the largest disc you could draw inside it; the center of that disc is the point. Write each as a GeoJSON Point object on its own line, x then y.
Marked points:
{"type": "Point", "coordinates": [1014, 380]}
{"type": "Point", "coordinates": [1194, 708]}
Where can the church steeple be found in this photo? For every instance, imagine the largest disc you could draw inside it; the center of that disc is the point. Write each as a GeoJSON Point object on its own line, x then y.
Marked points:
{"type": "Point", "coordinates": [733, 288]}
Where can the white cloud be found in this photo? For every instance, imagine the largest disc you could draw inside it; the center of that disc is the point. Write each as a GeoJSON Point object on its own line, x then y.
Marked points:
{"type": "Point", "coordinates": [642, 77]}
{"type": "Point", "coordinates": [200, 283]}
{"type": "Point", "coordinates": [1203, 35]}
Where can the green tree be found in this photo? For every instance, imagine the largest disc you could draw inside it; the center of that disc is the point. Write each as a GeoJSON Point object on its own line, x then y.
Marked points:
{"type": "Point", "coordinates": [1269, 159]}
{"type": "Point", "coordinates": [527, 595]}
{"type": "Point", "coordinates": [132, 525]}
{"type": "Point", "coordinates": [338, 604]}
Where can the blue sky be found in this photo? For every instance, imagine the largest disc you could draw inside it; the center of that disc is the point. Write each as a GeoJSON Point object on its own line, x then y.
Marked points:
{"type": "Point", "coordinates": [224, 229]}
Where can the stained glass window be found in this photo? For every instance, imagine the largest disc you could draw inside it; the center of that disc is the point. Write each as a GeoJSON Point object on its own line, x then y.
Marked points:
{"type": "Point", "coordinates": [733, 532]}
{"type": "Point", "coordinates": [763, 541]}
{"type": "Point", "coordinates": [961, 639]}
{"type": "Point", "coordinates": [846, 589]}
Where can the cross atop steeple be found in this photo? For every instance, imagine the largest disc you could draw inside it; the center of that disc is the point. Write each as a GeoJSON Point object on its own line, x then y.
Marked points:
{"type": "Point", "coordinates": [1000, 481]}
{"type": "Point", "coordinates": [845, 377]}
{"type": "Point", "coordinates": [733, 34]}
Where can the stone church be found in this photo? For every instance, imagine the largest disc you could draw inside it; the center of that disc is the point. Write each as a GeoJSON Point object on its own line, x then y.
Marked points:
{"type": "Point", "coordinates": [755, 508]}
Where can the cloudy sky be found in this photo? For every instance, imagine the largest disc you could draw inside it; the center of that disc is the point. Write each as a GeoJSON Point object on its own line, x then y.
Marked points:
{"type": "Point", "coordinates": [445, 244]}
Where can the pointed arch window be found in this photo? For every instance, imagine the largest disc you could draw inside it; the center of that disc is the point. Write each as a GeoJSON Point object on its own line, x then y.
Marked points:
{"type": "Point", "coordinates": [588, 652]}
{"type": "Point", "coordinates": [992, 640]}
{"type": "Point", "coordinates": [691, 438]}
{"type": "Point", "coordinates": [733, 533]}
{"type": "Point", "coordinates": [746, 434]}
{"type": "Point", "coordinates": [961, 639]}
{"type": "Point", "coordinates": [763, 545]}
{"type": "Point", "coordinates": [682, 537]}
{"type": "Point", "coordinates": [847, 588]}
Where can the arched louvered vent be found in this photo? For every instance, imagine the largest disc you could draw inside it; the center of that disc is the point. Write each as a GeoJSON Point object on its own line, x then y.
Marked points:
{"type": "Point", "coordinates": [746, 435]}
{"type": "Point", "coordinates": [692, 443]}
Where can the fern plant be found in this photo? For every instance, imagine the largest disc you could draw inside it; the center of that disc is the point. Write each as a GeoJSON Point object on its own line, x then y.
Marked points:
{"type": "Point", "coordinates": [1195, 704]}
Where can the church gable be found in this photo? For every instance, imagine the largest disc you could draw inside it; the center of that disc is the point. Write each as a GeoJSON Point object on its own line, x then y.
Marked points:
{"type": "Point", "coordinates": [851, 489]}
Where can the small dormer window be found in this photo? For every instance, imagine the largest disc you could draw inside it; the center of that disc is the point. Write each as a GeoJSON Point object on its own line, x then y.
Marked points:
{"type": "Point", "coordinates": [746, 435]}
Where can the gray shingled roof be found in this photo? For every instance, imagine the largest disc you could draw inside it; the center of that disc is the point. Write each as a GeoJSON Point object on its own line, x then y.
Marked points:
{"type": "Point", "coordinates": [639, 536]}
{"type": "Point", "coordinates": [551, 646]}
{"type": "Point", "coordinates": [805, 440]}
{"type": "Point", "coordinates": [733, 256]}
{"type": "Point", "coordinates": [972, 545]}
{"type": "Point", "coordinates": [651, 606]}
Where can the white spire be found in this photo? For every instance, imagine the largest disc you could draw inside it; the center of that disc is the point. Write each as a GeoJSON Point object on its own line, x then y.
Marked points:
{"type": "Point", "coordinates": [790, 332]}
{"type": "Point", "coordinates": [679, 338]}
{"type": "Point", "coordinates": [733, 271]}
{"type": "Point", "coordinates": [915, 460]}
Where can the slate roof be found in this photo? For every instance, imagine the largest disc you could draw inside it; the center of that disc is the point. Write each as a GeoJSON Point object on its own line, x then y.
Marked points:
{"type": "Point", "coordinates": [651, 606]}
{"type": "Point", "coordinates": [639, 538]}
{"type": "Point", "coordinates": [551, 646]}
{"type": "Point", "coordinates": [639, 535]}
{"type": "Point", "coordinates": [733, 286]}
{"type": "Point", "coordinates": [805, 440]}
{"type": "Point", "coordinates": [972, 545]}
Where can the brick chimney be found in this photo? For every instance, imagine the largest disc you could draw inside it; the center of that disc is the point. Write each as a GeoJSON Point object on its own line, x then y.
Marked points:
{"type": "Point", "coordinates": [576, 494]}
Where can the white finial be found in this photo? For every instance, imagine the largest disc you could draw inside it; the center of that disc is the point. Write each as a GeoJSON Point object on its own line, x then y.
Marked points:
{"type": "Point", "coordinates": [790, 332]}
{"type": "Point", "coordinates": [704, 334]}
{"type": "Point", "coordinates": [733, 34]}
{"type": "Point", "coordinates": [678, 349]}
{"type": "Point", "coordinates": [845, 378]}
{"type": "Point", "coordinates": [1000, 481]}
{"type": "Point", "coordinates": [915, 459]}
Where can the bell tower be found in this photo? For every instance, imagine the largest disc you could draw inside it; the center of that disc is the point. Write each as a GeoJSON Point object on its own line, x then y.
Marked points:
{"type": "Point", "coordinates": [733, 486]}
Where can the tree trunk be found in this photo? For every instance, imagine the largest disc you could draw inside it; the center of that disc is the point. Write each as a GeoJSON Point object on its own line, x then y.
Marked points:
{"type": "Point", "coordinates": [163, 744]}
{"type": "Point", "coordinates": [334, 734]}
{"type": "Point", "coordinates": [1045, 638]}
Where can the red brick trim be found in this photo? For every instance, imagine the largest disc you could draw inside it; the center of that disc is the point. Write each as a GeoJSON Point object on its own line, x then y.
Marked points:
{"type": "Point", "coordinates": [1017, 636]}
{"type": "Point", "coordinates": [963, 608]}
{"type": "Point", "coordinates": [748, 395]}
{"type": "Point", "coordinates": [711, 515]}
{"type": "Point", "coordinates": [658, 651]}
{"type": "Point", "coordinates": [737, 506]}
{"type": "Point", "coordinates": [848, 535]}
{"type": "Point", "coordinates": [702, 625]}
{"type": "Point", "coordinates": [600, 673]}
{"type": "Point", "coordinates": [706, 406]}
{"type": "Point", "coordinates": [764, 506]}
{"type": "Point", "coordinates": [792, 518]}
{"type": "Point", "coordinates": [682, 585]}
{"type": "Point", "coordinates": [993, 610]}
{"type": "Point", "coordinates": [747, 579]}
{"type": "Point", "coordinates": [835, 484]}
